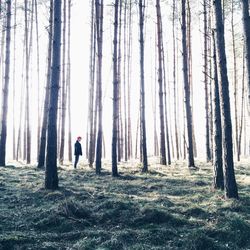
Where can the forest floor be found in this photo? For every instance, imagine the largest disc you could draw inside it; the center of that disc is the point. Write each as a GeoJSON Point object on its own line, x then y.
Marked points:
{"type": "Point", "coordinates": [168, 208]}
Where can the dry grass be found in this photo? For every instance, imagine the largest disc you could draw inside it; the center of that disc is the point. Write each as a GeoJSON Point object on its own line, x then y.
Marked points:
{"type": "Point", "coordinates": [168, 208]}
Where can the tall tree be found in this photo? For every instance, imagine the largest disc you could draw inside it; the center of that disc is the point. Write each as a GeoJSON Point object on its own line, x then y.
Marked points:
{"type": "Point", "coordinates": [231, 190]}
{"type": "Point", "coordinates": [42, 145]}
{"type": "Point", "coordinates": [115, 93]}
{"type": "Point", "coordinates": [160, 82]}
{"type": "Point", "coordinates": [51, 177]}
{"type": "Point", "coordinates": [246, 26]}
{"type": "Point", "coordinates": [64, 87]}
{"type": "Point", "coordinates": [99, 32]}
{"type": "Point", "coordinates": [189, 119]}
{"type": "Point", "coordinates": [68, 80]}
{"type": "Point", "coordinates": [5, 89]}
{"type": "Point", "coordinates": [206, 75]}
{"type": "Point", "coordinates": [218, 182]}
{"type": "Point", "coordinates": [142, 87]}
{"type": "Point", "coordinates": [174, 80]}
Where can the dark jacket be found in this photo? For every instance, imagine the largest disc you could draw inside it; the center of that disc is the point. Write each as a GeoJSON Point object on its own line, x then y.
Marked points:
{"type": "Point", "coordinates": [78, 148]}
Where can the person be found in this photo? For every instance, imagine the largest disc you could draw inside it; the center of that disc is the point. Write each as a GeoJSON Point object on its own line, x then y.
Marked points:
{"type": "Point", "coordinates": [78, 150]}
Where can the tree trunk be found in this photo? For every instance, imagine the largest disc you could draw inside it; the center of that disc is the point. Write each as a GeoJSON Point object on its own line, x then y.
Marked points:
{"type": "Point", "coordinates": [42, 146]}
{"type": "Point", "coordinates": [231, 190]}
{"type": "Point", "coordinates": [115, 94]}
{"type": "Point", "coordinates": [142, 88]}
{"type": "Point", "coordinates": [99, 29]}
{"type": "Point", "coordinates": [218, 181]}
{"type": "Point", "coordinates": [51, 177]}
{"type": "Point", "coordinates": [189, 119]}
{"type": "Point", "coordinates": [38, 77]}
{"type": "Point", "coordinates": [246, 26]}
{"type": "Point", "coordinates": [174, 82]}
{"type": "Point", "coordinates": [5, 89]}
{"type": "Point", "coordinates": [68, 79]}
{"type": "Point", "coordinates": [14, 81]}
{"type": "Point", "coordinates": [208, 149]}
{"type": "Point", "coordinates": [161, 107]}
{"type": "Point", "coordinates": [92, 137]}
{"type": "Point", "coordinates": [64, 89]}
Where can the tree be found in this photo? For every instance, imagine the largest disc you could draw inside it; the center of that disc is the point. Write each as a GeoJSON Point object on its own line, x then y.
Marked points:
{"type": "Point", "coordinates": [231, 190]}
{"type": "Point", "coordinates": [115, 94]}
{"type": "Point", "coordinates": [5, 89]}
{"type": "Point", "coordinates": [246, 26]}
{"type": "Point", "coordinates": [51, 177]}
{"type": "Point", "coordinates": [160, 80]}
{"type": "Point", "coordinates": [42, 145]}
{"type": "Point", "coordinates": [218, 182]}
{"type": "Point", "coordinates": [206, 74]}
{"type": "Point", "coordinates": [142, 87]}
{"type": "Point", "coordinates": [99, 32]}
{"type": "Point", "coordinates": [189, 119]}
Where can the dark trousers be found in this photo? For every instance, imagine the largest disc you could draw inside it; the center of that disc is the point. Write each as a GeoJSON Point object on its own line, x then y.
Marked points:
{"type": "Point", "coordinates": [76, 160]}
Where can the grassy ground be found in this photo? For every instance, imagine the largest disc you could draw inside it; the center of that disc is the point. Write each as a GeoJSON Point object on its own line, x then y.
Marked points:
{"type": "Point", "coordinates": [167, 208]}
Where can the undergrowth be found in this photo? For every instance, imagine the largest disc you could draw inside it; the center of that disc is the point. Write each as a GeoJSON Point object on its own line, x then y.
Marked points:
{"type": "Point", "coordinates": [166, 208]}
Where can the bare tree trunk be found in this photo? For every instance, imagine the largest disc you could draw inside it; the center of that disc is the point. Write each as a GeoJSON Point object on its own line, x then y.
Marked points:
{"type": "Point", "coordinates": [246, 26]}
{"type": "Point", "coordinates": [68, 84]}
{"type": "Point", "coordinates": [38, 77]}
{"type": "Point", "coordinates": [174, 82]}
{"type": "Point", "coordinates": [51, 177]}
{"type": "Point", "coordinates": [27, 63]}
{"type": "Point", "coordinates": [235, 85]}
{"type": "Point", "coordinates": [115, 94]}
{"type": "Point", "coordinates": [189, 119]}
{"type": "Point", "coordinates": [208, 149]}
{"type": "Point", "coordinates": [92, 135]}
{"type": "Point", "coordinates": [99, 29]}
{"type": "Point", "coordinates": [242, 104]}
{"type": "Point", "coordinates": [142, 88]}
{"type": "Point", "coordinates": [5, 89]}
{"type": "Point", "coordinates": [218, 181]}
{"type": "Point", "coordinates": [129, 60]}
{"type": "Point", "coordinates": [14, 81]}
{"type": "Point", "coordinates": [231, 190]}
{"type": "Point", "coordinates": [160, 79]}
{"type": "Point", "coordinates": [64, 89]}
{"type": "Point", "coordinates": [42, 146]}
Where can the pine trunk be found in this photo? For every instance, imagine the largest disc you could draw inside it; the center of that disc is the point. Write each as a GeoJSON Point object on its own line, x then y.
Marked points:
{"type": "Point", "coordinates": [218, 181]}
{"type": "Point", "coordinates": [5, 89]}
{"type": "Point", "coordinates": [115, 94]}
{"type": "Point", "coordinates": [231, 190]}
{"type": "Point", "coordinates": [163, 160]}
{"type": "Point", "coordinates": [246, 26]}
{"type": "Point", "coordinates": [51, 177]}
{"type": "Point", "coordinates": [142, 88]}
{"type": "Point", "coordinates": [189, 119]}
{"type": "Point", "coordinates": [42, 146]}
{"type": "Point", "coordinates": [99, 29]}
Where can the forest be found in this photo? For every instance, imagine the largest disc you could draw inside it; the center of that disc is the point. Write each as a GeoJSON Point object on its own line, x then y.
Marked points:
{"type": "Point", "coordinates": [124, 124]}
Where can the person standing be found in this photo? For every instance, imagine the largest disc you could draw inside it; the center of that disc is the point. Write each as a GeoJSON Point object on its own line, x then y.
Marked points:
{"type": "Point", "coordinates": [78, 150]}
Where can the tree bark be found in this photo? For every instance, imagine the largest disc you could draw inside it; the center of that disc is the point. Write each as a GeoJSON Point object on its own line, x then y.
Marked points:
{"type": "Point", "coordinates": [5, 89]}
{"type": "Point", "coordinates": [189, 119]}
{"type": "Point", "coordinates": [142, 88]}
{"type": "Point", "coordinates": [42, 146]}
{"type": "Point", "coordinates": [231, 190]}
{"type": "Point", "coordinates": [115, 94]}
{"type": "Point", "coordinates": [51, 177]}
{"type": "Point", "coordinates": [163, 160]}
{"type": "Point", "coordinates": [218, 181]}
{"type": "Point", "coordinates": [99, 29]}
{"type": "Point", "coordinates": [246, 26]}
